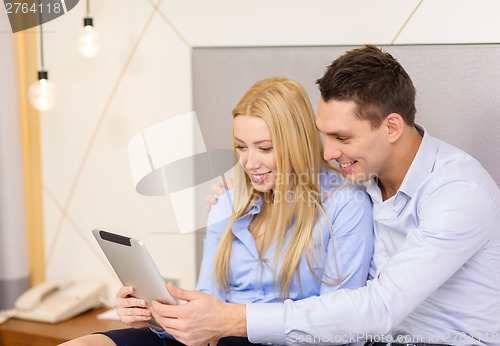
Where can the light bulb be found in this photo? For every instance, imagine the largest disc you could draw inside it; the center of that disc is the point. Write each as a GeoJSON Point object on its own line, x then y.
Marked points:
{"type": "Point", "coordinates": [41, 92]}
{"type": "Point", "coordinates": [88, 40]}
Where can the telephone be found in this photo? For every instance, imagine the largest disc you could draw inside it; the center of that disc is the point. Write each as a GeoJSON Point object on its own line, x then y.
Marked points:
{"type": "Point", "coordinates": [58, 300]}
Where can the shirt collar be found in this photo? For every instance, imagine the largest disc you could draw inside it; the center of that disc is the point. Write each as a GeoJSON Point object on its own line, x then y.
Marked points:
{"type": "Point", "coordinates": [257, 204]}
{"type": "Point", "coordinates": [244, 221]}
{"type": "Point", "coordinates": [422, 165]}
{"type": "Point", "coordinates": [420, 168]}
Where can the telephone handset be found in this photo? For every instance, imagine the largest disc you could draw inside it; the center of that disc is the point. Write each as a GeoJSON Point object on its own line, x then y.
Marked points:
{"type": "Point", "coordinates": [58, 300]}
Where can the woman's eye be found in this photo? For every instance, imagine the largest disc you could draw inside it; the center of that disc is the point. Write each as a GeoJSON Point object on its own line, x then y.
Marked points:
{"type": "Point", "coordinates": [266, 149]}
{"type": "Point", "coordinates": [239, 147]}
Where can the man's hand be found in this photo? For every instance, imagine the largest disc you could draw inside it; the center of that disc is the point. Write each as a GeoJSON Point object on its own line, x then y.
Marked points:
{"type": "Point", "coordinates": [218, 189]}
{"type": "Point", "coordinates": [132, 311]}
{"type": "Point", "coordinates": [203, 320]}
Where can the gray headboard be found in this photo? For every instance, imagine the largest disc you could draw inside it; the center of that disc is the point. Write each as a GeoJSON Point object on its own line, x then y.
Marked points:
{"type": "Point", "coordinates": [458, 89]}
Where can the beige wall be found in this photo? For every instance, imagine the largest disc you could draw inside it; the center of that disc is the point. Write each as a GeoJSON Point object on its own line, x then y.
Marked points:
{"type": "Point", "coordinates": [143, 75]}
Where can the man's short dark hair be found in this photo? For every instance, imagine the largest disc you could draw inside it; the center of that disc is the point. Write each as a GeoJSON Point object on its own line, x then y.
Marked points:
{"type": "Point", "coordinates": [374, 80]}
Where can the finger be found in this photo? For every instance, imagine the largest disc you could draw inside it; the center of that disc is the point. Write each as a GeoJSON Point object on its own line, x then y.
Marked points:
{"type": "Point", "coordinates": [124, 292]}
{"type": "Point", "coordinates": [164, 319]}
{"type": "Point", "coordinates": [130, 303]}
{"type": "Point", "coordinates": [134, 319]}
{"type": "Point", "coordinates": [211, 199]}
{"type": "Point", "coordinates": [124, 298]}
{"type": "Point", "coordinates": [180, 293]}
{"type": "Point", "coordinates": [134, 312]}
{"type": "Point", "coordinates": [217, 189]}
{"type": "Point", "coordinates": [164, 310]}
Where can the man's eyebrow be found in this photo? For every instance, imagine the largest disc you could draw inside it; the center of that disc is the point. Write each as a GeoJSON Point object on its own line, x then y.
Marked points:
{"type": "Point", "coordinates": [317, 128]}
{"type": "Point", "coordinates": [334, 133]}
{"type": "Point", "coordinates": [338, 134]}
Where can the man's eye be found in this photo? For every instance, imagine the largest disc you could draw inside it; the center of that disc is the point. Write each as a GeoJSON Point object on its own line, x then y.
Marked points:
{"type": "Point", "coordinates": [342, 139]}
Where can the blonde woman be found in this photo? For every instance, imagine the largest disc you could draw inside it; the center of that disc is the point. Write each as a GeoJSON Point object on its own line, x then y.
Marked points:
{"type": "Point", "coordinates": [292, 228]}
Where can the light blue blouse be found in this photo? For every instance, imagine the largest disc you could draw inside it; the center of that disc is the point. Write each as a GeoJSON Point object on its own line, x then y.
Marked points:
{"type": "Point", "coordinates": [347, 255]}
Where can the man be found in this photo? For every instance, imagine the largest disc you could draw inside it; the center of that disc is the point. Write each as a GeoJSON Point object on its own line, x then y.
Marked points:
{"type": "Point", "coordinates": [435, 274]}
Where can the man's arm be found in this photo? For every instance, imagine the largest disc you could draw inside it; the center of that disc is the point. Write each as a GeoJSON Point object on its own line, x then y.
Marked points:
{"type": "Point", "coordinates": [445, 238]}
{"type": "Point", "coordinates": [350, 249]}
{"type": "Point", "coordinates": [218, 220]}
{"type": "Point", "coordinates": [203, 320]}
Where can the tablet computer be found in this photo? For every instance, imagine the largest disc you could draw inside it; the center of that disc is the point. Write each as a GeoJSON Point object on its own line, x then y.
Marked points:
{"type": "Point", "coordinates": [134, 266]}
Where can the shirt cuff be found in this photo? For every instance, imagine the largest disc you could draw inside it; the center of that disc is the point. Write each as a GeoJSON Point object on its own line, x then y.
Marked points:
{"type": "Point", "coordinates": [162, 335]}
{"type": "Point", "coordinates": [266, 323]}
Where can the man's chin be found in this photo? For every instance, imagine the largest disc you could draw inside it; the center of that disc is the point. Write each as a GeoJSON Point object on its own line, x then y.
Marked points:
{"type": "Point", "coordinates": [359, 178]}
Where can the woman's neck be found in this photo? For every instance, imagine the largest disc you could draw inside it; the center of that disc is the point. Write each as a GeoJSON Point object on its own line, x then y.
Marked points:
{"type": "Point", "coordinates": [262, 231]}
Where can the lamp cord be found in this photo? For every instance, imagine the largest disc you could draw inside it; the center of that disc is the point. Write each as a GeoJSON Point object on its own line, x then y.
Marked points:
{"type": "Point", "coordinates": [41, 36]}
{"type": "Point", "coordinates": [88, 8]}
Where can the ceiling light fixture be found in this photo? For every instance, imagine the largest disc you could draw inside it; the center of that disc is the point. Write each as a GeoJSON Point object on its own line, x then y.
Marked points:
{"type": "Point", "coordinates": [88, 40]}
{"type": "Point", "coordinates": [41, 92]}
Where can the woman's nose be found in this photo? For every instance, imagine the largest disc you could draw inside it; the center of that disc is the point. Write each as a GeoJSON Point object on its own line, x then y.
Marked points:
{"type": "Point", "coordinates": [252, 161]}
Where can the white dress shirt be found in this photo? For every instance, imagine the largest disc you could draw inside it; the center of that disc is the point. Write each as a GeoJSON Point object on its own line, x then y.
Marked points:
{"type": "Point", "coordinates": [435, 271]}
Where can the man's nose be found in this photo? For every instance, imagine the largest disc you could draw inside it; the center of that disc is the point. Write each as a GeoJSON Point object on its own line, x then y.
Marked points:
{"type": "Point", "coordinates": [331, 151]}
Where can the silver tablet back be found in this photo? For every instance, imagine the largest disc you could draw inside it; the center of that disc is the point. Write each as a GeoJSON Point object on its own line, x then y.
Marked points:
{"type": "Point", "coordinates": [134, 266]}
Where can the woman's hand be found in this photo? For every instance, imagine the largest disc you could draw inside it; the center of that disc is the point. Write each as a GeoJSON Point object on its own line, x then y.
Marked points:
{"type": "Point", "coordinates": [132, 311]}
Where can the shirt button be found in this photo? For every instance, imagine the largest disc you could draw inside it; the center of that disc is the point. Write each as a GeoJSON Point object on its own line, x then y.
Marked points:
{"type": "Point", "coordinates": [259, 292]}
{"type": "Point", "coordinates": [384, 254]}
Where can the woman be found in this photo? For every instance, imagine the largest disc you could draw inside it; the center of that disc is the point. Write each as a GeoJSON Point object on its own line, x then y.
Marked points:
{"type": "Point", "coordinates": [292, 228]}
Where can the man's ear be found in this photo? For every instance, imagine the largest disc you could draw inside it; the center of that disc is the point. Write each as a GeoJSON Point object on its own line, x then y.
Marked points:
{"type": "Point", "coordinates": [394, 125]}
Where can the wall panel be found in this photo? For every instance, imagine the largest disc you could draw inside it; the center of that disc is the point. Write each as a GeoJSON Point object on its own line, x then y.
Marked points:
{"type": "Point", "coordinates": [457, 90]}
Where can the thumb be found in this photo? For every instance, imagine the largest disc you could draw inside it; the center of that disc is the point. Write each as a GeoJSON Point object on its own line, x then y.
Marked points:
{"type": "Point", "coordinates": [180, 293]}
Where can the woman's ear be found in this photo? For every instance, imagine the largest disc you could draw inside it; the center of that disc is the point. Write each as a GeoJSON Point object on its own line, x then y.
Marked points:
{"type": "Point", "coordinates": [394, 124]}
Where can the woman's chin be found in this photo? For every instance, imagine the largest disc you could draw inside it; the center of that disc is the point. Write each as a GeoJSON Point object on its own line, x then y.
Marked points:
{"type": "Point", "coordinates": [262, 187]}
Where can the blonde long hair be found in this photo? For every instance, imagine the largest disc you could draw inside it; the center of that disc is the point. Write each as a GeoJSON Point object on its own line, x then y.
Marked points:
{"type": "Point", "coordinates": [284, 105]}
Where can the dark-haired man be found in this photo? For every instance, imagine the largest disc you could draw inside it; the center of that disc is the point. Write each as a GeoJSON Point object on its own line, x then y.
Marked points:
{"type": "Point", "coordinates": [435, 274]}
